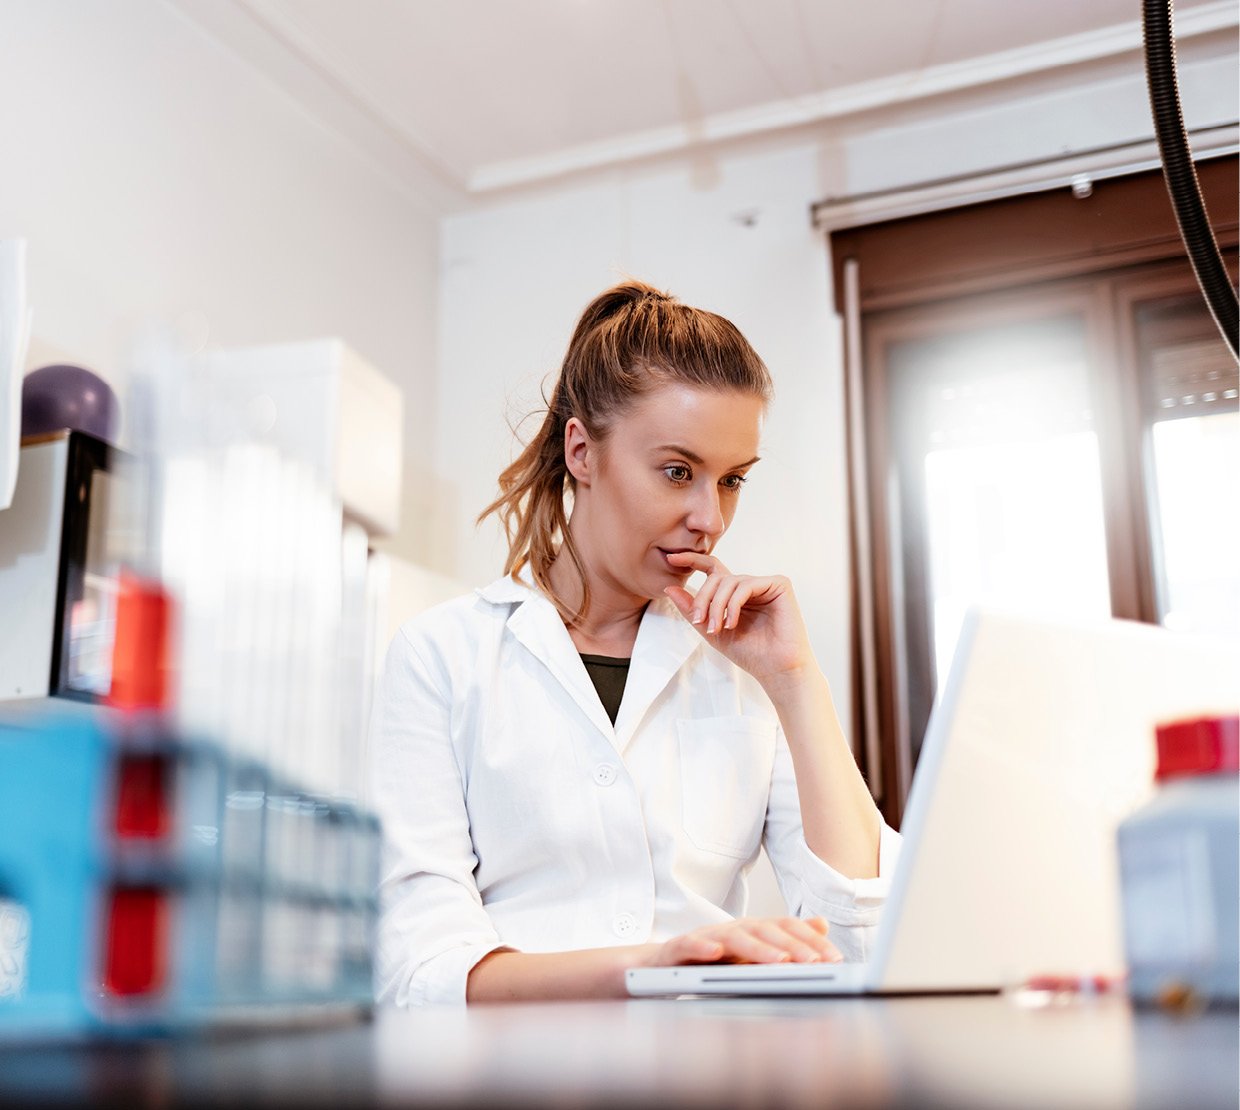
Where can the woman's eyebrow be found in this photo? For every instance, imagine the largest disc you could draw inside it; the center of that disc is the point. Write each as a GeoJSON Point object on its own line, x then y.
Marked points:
{"type": "Point", "coordinates": [696, 459]}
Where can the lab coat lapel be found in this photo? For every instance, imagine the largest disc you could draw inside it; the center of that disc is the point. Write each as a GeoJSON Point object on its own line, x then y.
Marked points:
{"type": "Point", "coordinates": [537, 626]}
{"type": "Point", "coordinates": [664, 641]}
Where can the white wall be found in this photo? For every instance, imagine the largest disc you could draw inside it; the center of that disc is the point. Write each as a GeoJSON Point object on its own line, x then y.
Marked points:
{"type": "Point", "coordinates": [731, 232]}
{"type": "Point", "coordinates": [158, 178]}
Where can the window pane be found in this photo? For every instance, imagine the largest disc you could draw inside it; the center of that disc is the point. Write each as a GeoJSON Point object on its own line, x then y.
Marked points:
{"type": "Point", "coordinates": [1016, 525]}
{"type": "Point", "coordinates": [997, 430]}
{"type": "Point", "coordinates": [1191, 387]}
{"type": "Point", "coordinates": [1196, 462]}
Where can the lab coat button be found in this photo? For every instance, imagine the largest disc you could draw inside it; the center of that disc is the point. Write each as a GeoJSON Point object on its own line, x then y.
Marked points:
{"type": "Point", "coordinates": [604, 774]}
{"type": "Point", "coordinates": [625, 925]}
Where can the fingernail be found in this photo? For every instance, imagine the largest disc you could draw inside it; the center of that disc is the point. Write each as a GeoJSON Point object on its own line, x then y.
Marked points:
{"type": "Point", "coordinates": [697, 617]}
{"type": "Point", "coordinates": [710, 627]}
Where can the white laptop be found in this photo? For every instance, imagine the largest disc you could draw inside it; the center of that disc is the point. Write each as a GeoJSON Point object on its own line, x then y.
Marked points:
{"type": "Point", "coordinates": [1042, 742]}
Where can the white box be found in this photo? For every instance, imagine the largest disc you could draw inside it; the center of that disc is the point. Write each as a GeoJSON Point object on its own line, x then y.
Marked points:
{"type": "Point", "coordinates": [332, 409]}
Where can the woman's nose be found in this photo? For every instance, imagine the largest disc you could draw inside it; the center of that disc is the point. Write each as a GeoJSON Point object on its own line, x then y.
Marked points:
{"type": "Point", "coordinates": [706, 515]}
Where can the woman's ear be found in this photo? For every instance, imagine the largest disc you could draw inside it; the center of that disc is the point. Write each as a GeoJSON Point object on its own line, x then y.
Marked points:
{"type": "Point", "coordinates": [578, 451]}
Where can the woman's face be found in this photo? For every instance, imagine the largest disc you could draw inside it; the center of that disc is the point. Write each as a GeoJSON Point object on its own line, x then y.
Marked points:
{"type": "Point", "coordinates": [667, 478]}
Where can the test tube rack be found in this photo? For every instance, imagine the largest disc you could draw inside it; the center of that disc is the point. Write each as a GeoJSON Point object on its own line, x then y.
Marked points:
{"type": "Point", "coordinates": [152, 884]}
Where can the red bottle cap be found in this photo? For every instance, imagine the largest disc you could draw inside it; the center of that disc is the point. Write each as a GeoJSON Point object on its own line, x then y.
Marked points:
{"type": "Point", "coordinates": [1201, 746]}
{"type": "Point", "coordinates": [141, 644]}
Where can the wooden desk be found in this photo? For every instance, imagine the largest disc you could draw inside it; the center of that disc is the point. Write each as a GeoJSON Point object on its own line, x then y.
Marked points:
{"type": "Point", "coordinates": [923, 1052]}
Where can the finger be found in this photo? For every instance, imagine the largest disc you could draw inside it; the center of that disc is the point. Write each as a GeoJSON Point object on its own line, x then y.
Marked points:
{"type": "Point", "coordinates": [698, 949]}
{"type": "Point", "coordinates": [813, 935]}
{"type": "Point", "coordinates": [706, 593]}
{"type": "Point", "coordinates": [689, 948]}
{"type": "Point", "coordinates": [682, 599]}
{"type": "Point", "coordinates": [747, 944]}
{"type": "Point", "coordinates": [684, 602]}
{"type": "Point", "coordinates": [784, 937]}
{"type": "Point", "coordinates": [720, 604]}
{"type": "Point", "coordinates": [762, 590]}
{"type": "Point", "coordinates": [695, 560]}
{"type": "Point", "coordinates": [742, 593]}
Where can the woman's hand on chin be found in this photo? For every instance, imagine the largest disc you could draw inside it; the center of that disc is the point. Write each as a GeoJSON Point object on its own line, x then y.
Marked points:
{"type": "Point", "coordinates": [752, 619]}
{"type": "Point", "coordinates": [751, 940]}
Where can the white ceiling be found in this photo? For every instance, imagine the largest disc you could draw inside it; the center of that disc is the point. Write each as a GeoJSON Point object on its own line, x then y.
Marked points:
{"type": "Point", "coordinates": [487, 94]}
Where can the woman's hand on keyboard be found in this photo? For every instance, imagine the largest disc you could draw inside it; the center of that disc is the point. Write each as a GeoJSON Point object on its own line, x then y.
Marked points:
{"type": "Point", "coordinates": [751, 940]}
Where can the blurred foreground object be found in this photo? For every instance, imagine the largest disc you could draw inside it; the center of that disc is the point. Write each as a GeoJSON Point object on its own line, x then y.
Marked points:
{"type": "Point", "coordinates": [68, 398]}
{"type": "Point", "coordinates": [151, 885]}
{"type": "Point", "coordinates": [140, 647]}
{"type": "Point", "coordinates": [1180, 869]}
{"type": "Point", "coordinates": [184, 845]}
{"type": "Point", "coordinates": [14, 336]}
{"type": "Point", "coordinates": [276, 466]}
{"type": "Point", "coordinates": [321, 403]}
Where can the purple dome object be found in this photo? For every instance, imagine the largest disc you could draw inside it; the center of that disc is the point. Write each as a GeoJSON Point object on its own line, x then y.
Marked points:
{"type": "Point", "coordinates": [59, 397]}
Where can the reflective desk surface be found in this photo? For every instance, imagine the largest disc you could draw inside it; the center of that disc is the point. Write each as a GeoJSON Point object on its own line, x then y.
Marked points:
{"type": "Point", "coordinates": [985, 1051]}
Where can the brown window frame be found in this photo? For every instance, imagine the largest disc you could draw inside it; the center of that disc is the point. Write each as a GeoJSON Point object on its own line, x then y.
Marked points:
{"type": "Point", "coordinates": [1097, 257]}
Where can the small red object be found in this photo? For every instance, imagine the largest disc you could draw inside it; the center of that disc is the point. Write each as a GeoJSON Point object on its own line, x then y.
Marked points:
{"type": "Point", "coordinates": [142, 807]}
{"type": "Point", "coordinates": [1071, 984]}
{"type": "Point", "coordinates": [135, 962]}
{"type": "Point", "coordinates": [1201, 746]}
{"type": "Point", "coordinates": [141, 645]}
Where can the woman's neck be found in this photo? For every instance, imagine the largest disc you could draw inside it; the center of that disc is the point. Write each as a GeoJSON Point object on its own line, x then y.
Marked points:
{"type": "Point", "coordinates": [609, 627]}
{"type": "Point", "coordinates": [615, 640]}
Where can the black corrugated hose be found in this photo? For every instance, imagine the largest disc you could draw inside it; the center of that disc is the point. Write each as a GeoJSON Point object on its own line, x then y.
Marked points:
{"type": "Point", "coordinates": [1181, 178]}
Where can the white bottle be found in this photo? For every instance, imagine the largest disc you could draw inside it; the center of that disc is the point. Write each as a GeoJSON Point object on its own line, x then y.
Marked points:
{"type": "Point", "coordinates": [1180, 869]}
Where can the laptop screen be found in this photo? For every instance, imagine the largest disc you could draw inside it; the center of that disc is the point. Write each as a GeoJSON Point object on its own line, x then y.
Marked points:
{"type": "Point", "coordinates": [1042, 742]}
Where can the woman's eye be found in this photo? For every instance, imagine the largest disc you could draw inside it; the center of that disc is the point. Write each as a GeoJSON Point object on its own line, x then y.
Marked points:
{"type": "Point", "coordinates": [734, 481]}
{"type": "Point", "coordinates": [678, 474]}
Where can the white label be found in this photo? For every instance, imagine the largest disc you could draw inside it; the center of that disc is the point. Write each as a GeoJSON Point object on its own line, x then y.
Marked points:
{"type": "Point", "coordinates": [14, 948]}
{"type": "Point", "coordinates": [1168, 910]}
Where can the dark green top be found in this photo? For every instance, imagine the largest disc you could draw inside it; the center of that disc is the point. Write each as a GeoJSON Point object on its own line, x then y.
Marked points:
{"type": "Point", "coordinates": [609, 676]}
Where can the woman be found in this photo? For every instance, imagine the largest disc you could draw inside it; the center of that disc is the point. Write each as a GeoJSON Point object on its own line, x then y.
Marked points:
{"type": "Point", "coordinates": [577, 766]}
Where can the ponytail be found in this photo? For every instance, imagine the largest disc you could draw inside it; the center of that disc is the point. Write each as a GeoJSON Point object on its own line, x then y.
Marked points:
{"type": "Point", "coordinates": [531, 509]}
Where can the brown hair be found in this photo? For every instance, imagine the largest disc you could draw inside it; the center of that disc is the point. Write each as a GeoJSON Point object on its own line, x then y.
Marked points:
{"type": "Point", "coordinates": [629, 339]}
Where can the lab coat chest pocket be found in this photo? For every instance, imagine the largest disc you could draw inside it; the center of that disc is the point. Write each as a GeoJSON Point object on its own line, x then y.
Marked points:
{"type": "Point", "coordinates": [725, 775]}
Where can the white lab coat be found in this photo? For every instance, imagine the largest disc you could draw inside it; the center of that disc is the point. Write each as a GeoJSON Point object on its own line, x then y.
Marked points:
{"type": "Point", "coordinates": [516, 815]}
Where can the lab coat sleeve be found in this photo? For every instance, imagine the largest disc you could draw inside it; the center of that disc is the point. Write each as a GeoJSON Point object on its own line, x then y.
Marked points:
{"type": "Point", "coordinates": [812, 888]}
{"type": "Point", "coordinates": [433, 928]}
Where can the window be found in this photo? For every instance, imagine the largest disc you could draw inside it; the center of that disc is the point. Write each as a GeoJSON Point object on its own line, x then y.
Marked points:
{"type": "Point", "coordinates": [1190, 389]}
{"type": "Point", "coordinates": [1003, 468]}
{"type": "Point", "coordinates": [1050, 425]}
